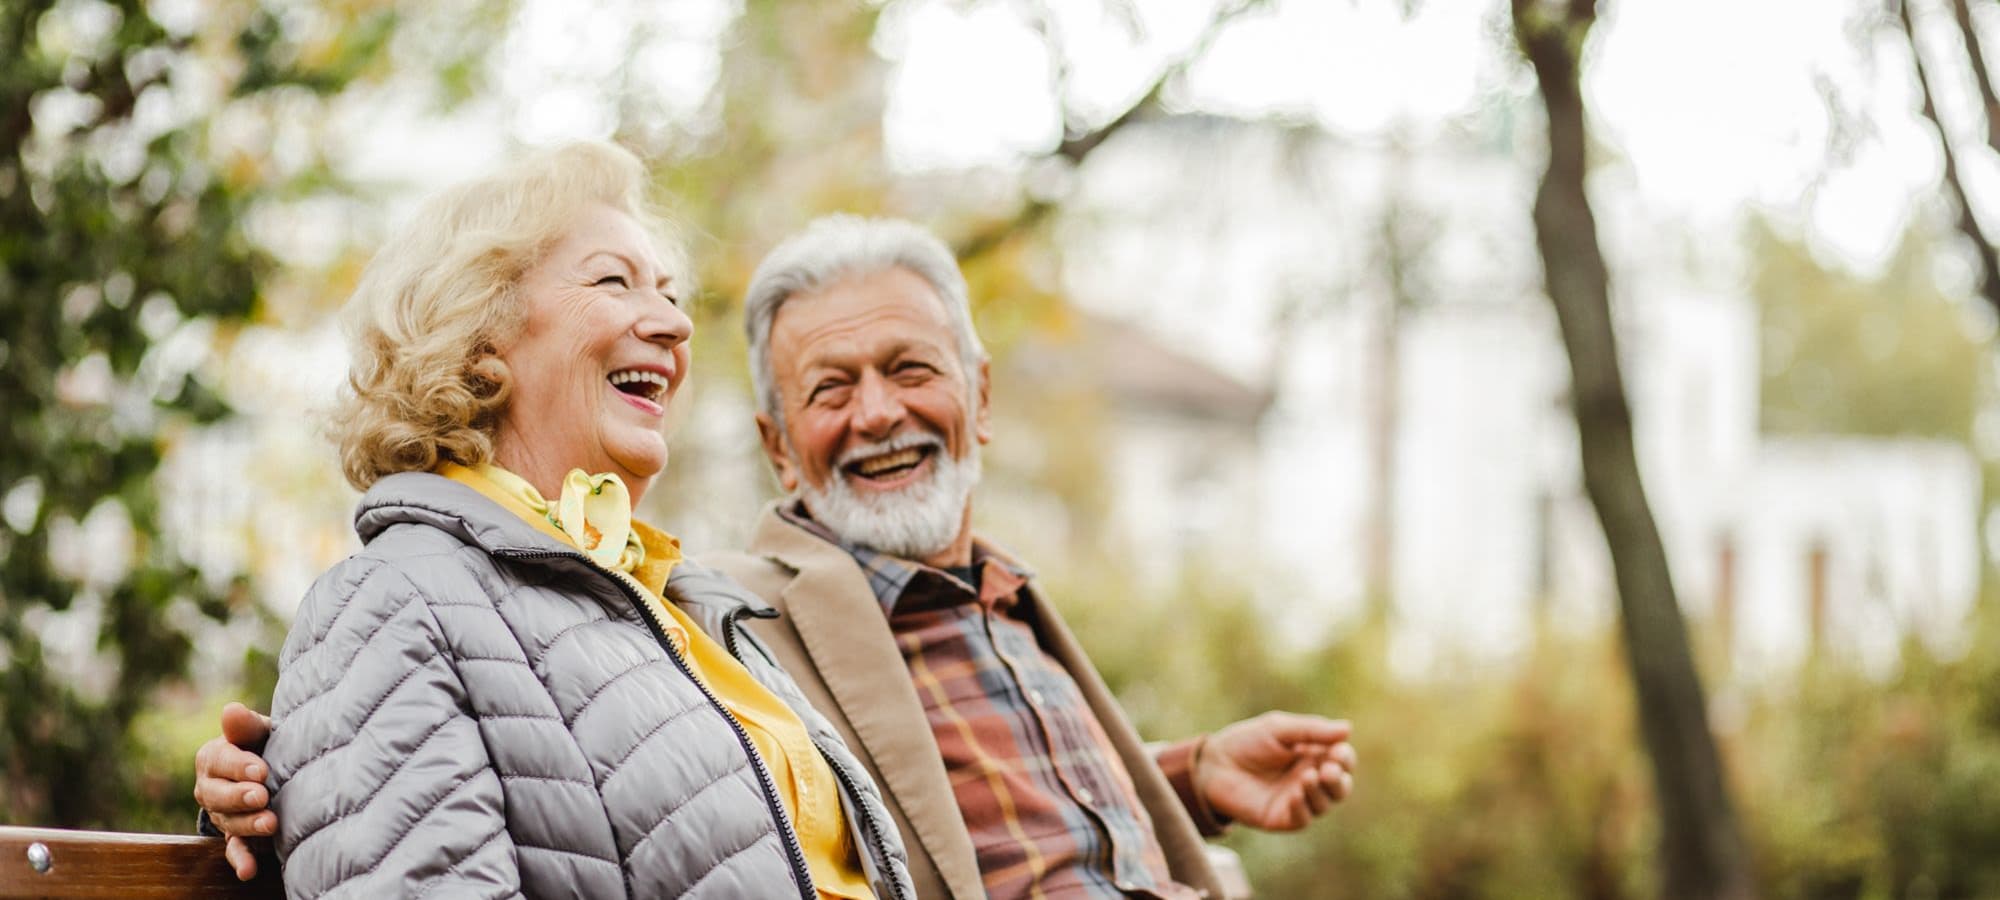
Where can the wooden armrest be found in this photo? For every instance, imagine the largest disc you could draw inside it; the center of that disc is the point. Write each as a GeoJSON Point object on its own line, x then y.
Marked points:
{"type": "Point", "coordinates": [112, 864]}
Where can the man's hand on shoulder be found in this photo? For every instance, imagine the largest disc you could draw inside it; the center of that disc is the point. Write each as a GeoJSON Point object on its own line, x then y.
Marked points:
{"type": "Point", "coordinates": [1277, 771]}
{"type": "Point", "coordinates": [229, 785]}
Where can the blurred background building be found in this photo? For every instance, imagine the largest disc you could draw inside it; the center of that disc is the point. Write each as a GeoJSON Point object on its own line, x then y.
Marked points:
{"type": "Point", "coordinates": [1427, 423]}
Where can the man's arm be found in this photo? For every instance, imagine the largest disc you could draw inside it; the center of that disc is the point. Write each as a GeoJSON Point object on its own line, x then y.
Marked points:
{"type": "Point", "coordinates": [1276, 772]}
{"type": "Point", "coordinates": [229, 785]}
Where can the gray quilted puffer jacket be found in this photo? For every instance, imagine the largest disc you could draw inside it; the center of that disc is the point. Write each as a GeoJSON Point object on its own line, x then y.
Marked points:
{"type": "Point", "coordinates": [469, 708]}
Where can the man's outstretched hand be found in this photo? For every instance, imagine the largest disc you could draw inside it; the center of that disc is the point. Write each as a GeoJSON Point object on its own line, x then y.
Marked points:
{"type": "Point", "coordinates": [229, 784]}
{"type": "Point", "coordinates": [1276, 771]}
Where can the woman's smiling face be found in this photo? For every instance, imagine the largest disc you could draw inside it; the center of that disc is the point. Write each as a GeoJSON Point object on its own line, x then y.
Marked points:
{"type": "Point", "coordinates": [603, 348]}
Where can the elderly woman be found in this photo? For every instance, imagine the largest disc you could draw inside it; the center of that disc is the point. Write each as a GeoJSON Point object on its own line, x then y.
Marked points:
{"type": "Point", "coordinates": [516, 687]}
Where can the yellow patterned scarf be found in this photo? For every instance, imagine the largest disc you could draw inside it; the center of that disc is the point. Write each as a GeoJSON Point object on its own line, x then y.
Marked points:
{"type": "Point", "coordinates": [595, 511]}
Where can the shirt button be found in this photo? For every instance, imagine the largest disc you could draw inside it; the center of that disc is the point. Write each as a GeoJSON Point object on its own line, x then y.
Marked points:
{"type": "Point", "coordinates": [1085, 797]}
{"type": "Point", "coordinates": [1035, 697]}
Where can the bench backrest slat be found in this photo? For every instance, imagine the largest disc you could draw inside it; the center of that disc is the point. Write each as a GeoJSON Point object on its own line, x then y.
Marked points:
{"type": "Point", "coordinates": [115, 864]}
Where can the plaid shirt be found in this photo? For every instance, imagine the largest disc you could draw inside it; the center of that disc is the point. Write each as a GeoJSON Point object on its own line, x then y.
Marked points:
{"type": "Point", "coordinates": [1051, 809]}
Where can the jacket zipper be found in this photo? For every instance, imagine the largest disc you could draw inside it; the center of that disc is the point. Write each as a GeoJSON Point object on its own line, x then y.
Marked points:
{"type": "Point", "coordinates": [869, 826]}
{"type": "Point", "coordinates": [868, 823]}
{"type": "Point", "coordinates": [729, 629]}
{"type": "Point", "coordinates": [636, 594]}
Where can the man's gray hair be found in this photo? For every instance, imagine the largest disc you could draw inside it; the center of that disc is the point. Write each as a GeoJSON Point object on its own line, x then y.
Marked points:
{"type": "Point", "coordinates": [837, 247]}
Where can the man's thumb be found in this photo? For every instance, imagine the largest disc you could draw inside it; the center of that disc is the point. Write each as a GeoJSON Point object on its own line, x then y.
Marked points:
{"type": "Point", "coordinates": [244, 727]}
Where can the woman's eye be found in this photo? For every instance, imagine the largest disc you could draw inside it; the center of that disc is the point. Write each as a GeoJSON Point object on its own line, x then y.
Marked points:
{"type": "Point", "coordinates": [618, 280]}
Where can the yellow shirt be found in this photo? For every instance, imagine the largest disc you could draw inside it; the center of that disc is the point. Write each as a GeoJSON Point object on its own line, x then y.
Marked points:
{"type": "Point", "coordinates": [804, 781]}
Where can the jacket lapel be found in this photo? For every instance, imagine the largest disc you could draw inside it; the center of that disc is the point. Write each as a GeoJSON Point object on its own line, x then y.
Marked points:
{"type": "Point", "coordinates": [847, 636]}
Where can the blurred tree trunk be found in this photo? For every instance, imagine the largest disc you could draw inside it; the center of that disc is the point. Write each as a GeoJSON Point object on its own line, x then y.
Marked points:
{"type": "Point", "coordinates": [1968, 223]}
{"type": "Point", "coordinates": [1702, 854]}
{"type": "Point", "coordinates": [1384, 399]}
{"type": "Point", "coordinates": [1404, 245]}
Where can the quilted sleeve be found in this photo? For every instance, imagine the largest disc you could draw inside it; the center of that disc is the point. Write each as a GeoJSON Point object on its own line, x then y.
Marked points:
{"type": "Point", "coordinates": [381, 783]}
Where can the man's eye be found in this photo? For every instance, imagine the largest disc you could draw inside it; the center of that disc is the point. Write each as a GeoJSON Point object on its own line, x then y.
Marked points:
{"type": "Point", "coordinates": [618, 280]}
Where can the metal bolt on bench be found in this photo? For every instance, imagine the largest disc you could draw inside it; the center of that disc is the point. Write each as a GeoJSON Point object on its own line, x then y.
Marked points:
{"type": "Point", "coordinates": [53, 862]}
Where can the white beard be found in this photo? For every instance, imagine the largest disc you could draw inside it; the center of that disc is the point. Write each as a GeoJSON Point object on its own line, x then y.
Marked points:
{"type": "Point", "coordinates": [912, 522]}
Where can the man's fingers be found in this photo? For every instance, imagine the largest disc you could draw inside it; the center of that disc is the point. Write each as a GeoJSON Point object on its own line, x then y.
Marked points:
{"type": "Point", "coordinates": [1293, 728]}
{"type": "Point", "coordinates": [1302, 811]}
{"type": "Point", "coordinates": [241, 858]}
{"type": "Point", "coordinates": [244, 727]}
{"type": "Point", "coordinates": [1344, 754]}
{"type": "Point", "coordinates": [220, 795]}
{"type": "Point", "coordinates": [219, 759]}
{"type": "Point", "coordinates": [242, 825]}
{"type": "Point", "coordinates": [1317, 790]}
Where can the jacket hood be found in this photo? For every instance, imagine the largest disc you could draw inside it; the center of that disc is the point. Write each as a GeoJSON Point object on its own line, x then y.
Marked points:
{"type": "Point", "coordinates": [421, 498]}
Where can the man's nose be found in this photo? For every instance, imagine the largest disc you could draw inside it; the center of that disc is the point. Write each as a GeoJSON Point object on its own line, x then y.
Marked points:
{"type": "Point", "coordinates": [878, 410]}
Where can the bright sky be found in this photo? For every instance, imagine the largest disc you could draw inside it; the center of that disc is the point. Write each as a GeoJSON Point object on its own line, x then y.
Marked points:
{"type": "Point", "coordinates": [1717, 104]}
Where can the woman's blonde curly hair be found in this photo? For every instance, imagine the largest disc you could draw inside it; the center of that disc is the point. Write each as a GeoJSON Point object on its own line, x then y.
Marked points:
{"type": "Point", "coordinates": [441, 300]}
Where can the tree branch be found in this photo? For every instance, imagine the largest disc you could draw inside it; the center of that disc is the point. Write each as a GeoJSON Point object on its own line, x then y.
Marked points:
{"type": "Point", "coordinates": [1968, 223]}
{"type": "Point", "coordinates": [1076, 146]}
{"type": "Point", "coordinates": [1961, 10]}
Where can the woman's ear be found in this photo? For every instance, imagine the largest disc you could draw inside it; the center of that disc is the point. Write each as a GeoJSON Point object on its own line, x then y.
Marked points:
{"type": "Point", "coordinates": [489, 378]}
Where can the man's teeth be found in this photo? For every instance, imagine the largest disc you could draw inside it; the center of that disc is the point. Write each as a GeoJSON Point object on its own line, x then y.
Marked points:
{"type": "Point", "coordinates": [884, 463]}
{"type": "Point", "coordinates": [655, 384]}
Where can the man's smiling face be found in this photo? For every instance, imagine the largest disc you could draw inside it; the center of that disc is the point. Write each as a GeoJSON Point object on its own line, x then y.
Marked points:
{"type": "Point", "coordinates": [881, 416]}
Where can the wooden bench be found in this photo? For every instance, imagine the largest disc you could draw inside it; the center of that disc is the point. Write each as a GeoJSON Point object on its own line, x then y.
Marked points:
{"type": "Point", "coordinates": [113, 865]}
{"type": "Point", "coordinates": [54, 862]}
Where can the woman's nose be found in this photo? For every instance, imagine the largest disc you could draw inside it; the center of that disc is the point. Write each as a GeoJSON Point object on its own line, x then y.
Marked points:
{"type": "Point", "coordinates": [664, 323]}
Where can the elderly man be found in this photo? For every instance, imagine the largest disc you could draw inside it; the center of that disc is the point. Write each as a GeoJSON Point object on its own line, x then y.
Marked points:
{"type": "Point", "coordinates": [1009, 768]}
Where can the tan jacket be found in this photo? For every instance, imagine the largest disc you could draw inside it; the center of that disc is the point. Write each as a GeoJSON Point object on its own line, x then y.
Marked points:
{"type": "Point", "coordinates": [833, 639]}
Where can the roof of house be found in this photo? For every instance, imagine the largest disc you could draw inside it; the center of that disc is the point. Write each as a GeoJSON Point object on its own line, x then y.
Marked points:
{"type": "Point", "coordinates": [1138, 372]}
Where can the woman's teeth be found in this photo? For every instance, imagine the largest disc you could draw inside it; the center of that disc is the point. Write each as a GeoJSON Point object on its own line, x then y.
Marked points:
{"type": "Point", "coordinates": [640, 383]}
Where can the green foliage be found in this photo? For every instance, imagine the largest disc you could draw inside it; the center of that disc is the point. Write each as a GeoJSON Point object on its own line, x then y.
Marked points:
{"type": "Point", "coordinates": [1889, 355]}
{"type": "Point", "coordinates": [120, 228]}
{"type": "Point", "coordinates": [1858, 788]}
{"type": "Point", "coordinates": [1524, 779]}
{"type": "Point", "coordinates": [1865, 789]}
